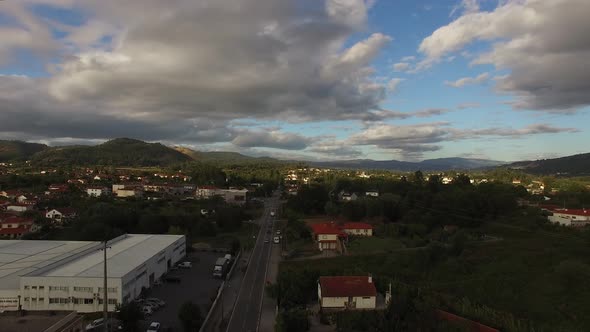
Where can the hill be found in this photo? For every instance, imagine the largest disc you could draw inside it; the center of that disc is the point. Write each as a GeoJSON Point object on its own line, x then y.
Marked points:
{"type": "Point", "coordinates": [578, 164]}
{"type": "Point", "coordinates": [116, 152]}
{"type": "Point", "coordinates": [221, 156]}
{"type": "Point", "coordinates": [441, 164]}
{"type": "Point", "coordinates": [19, 150]}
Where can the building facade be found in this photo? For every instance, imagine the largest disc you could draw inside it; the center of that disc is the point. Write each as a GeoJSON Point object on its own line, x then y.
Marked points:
{"type": "Point", "coordinates": [71, 275]}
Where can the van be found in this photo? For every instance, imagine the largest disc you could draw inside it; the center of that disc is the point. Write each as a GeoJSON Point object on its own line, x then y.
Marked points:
{"type": "Point", "coordinates": [277, 240]}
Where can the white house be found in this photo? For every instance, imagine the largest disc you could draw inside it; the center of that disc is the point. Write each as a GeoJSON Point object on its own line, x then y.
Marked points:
{"type": "Point", "coordinates": [358, 228]}
{"type": "Point", "coordinates": [19, 207]}
{"type": "Point", "coordinates": [347, 197]}
{"type": "Point", "coordinates": [347, 292]}
{"type": "Point", "coordinates": [98, 191]}
{"type": "Point", "coordinates": [60, 214]}
{"type": "Point", "coordinates": [207, 191]}
{"type": "Point", "coordinates": [328, 236]}
{"type": "Point", "coordinates": [372, 193]}
{"type": "Point", "coordinates": [123, 190]}
{"type": "Point", "coordinates": [570, 217]}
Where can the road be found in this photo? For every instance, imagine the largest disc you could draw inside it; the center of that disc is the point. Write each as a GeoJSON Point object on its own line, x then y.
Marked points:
{"type": "Point", "coordinates": [246, 313]}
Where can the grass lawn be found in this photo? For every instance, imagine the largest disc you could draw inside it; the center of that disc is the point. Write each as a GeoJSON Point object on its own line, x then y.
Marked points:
{"type": "Point", "coordinates": [224, 240]}
{"type": "Point", "coordinates": [372, 244]}
{"type": "Point", "coordinates": [536, 275]}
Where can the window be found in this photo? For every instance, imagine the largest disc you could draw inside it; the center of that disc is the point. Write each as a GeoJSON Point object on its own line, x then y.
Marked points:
{"type": "Point", "coordinates": [88, 301]}
{"type": "Point", "coordinates": [77, 301]}
{"type": "Point", "coordinates": [63, 301]}
{"type": "Point", "coordinates": [34, 287]}
{"type": "Point", "coordinates": [324, 237]}
{"type": "Point", "coordinates": [113, 301]}
{"type": "Point", "coordinates": [83, 289]}
{"type": "Point", "coordinates": [109, 289]}
{"type": "Point", "coordinates": [366, 297]}
{"type": "Point", "coordinates": [26, 287]}
{"type": "Point", "coordinates": [41, 299]}
{"type": "Point", "coordinates": [59, 288]}
{"type": "Point", "coordinates": [53, 300]}
{"type": "Point", "coordinates": [41, 287]}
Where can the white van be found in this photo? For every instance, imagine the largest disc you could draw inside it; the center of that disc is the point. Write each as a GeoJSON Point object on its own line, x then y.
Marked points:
{"type": "Point", "coordinates": [277, 239]}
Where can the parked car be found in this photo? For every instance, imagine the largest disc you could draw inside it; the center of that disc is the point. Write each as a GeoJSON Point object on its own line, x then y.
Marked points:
{"type": "Point", "coordinates": [278, 232]}
{"type": "Point", "coordinates": [277, 240]}
{"type": "Point", "coordinates": [95, 323]}
{"type": "Point", "coordinates": [154, 327]}
{"type": "Point", "coordinates": [185, 265]}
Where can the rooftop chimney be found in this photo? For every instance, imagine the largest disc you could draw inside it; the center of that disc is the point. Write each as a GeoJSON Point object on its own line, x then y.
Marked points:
{"type": "Point", "coordinates": [370, 278]}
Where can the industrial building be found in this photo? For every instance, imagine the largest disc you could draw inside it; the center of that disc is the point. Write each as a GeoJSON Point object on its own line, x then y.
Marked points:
{"type": "Point", "coordinates": [68, 275]}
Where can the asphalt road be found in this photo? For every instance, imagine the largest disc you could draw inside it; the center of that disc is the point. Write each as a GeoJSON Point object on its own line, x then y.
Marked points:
{"type": "Point", "coordinates": [246, 314]}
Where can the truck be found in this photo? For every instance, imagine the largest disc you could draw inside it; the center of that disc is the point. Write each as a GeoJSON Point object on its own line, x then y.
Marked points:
{"type": "Point", "coordinates": [220, 268]}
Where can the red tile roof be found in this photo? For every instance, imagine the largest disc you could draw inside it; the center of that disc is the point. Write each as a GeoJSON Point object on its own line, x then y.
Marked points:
{"type": "Point", "coordinates": [17, 220]}
{"type": "Point", "coordinates": [14, 231]}
{"type": "Point", "coordinates": [326, 228]}
{"type": "Point", "coordinates": [357, 225]}
{"type": "Point", "coordinates": [344, 286]}
{"type": "Point", "coordinates": [573, 212]}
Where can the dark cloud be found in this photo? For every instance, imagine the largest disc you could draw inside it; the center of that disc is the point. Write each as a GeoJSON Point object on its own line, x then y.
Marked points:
{"type": "Point", "coordinates": [272, 139]}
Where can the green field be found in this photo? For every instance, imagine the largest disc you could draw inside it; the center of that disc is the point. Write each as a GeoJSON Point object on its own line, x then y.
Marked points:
{"type": "Point", "coordinates": [374, 244]}
{"type": "Point", "coordinates": [539, 276]}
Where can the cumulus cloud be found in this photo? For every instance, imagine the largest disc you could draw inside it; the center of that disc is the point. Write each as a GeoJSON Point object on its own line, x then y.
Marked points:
{"type": "Point", "coordinates": [468, 80]}
{"type": "Point", "coordinates": [335, 149]}
{"type": "Point", "coordinates": [183, 70]}
{"type": "Point", "coordinates": [463, 106]}
{"type": "Point", "coordinates": [543, 44]}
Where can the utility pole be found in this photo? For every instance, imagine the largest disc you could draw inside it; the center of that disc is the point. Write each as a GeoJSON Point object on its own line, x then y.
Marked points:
{"type": "Point", "coordinates": [105, 301]}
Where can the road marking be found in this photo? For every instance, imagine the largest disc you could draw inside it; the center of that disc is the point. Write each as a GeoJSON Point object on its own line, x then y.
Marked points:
{"type": "Point", "coordinates": [265, 276]}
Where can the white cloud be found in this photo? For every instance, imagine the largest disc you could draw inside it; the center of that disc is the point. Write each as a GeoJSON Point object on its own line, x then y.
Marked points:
{"type": "Point", "coordinates": [393, 84]}
{"type": "Point", "coordinates": [544, 45]}
{"type": "Point", "coordinates": [401, 66]}
{"type": "Point", "coordinates": [468, 80]}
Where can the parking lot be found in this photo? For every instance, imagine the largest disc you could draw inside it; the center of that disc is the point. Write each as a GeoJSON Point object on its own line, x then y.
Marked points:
{"type": "Point", "coordinates": [196, 284]}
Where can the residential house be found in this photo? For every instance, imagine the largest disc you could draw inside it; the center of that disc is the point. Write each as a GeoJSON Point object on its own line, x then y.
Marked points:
{"type": "Point", "coordinates": [60, 215]}
{"type": "Point", "coordinates": [570, 217]}
{"type": "Point", "coordinates": [231, 195]}
{"type": "Point", "coordinates": [19, 207]}
{"type": "Point", "coordinates": [206, 192]}
{"type": "Point", "coordinates": [347, 292]}
{"type": "Point", "coordinates": [10, 194]}
{"type": "Point", "coordinates": [128, 190]}
{"type": "Point", "coordinates": [57, 189]}
{"type": "Point", "coordinates": [98, 191]}
{"type": "Point", "coordinates": [372, 193]}
{"type": "Point", "coordinates": [357, 228]}
{"type": "Point", "coordinates": [23, 198]}
{"type": "Point", "coordinates": [347, 197]}
{"type": "Point", "coordinates": [14, 227]}
{"type": "Point", "coordinates": [328, 236]}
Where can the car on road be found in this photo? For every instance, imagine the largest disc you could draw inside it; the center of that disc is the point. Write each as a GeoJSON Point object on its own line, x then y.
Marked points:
{"type": "Point", "coordinates": [185, 265]}
{"type": "Point", "coordinates": [154, 327]}
{"type": "Point", "coordinates": [267, 240]}
{"type": "Point", "coordinates": [277, 240]}
{"type": "Point", "coordinates": [278, 232]}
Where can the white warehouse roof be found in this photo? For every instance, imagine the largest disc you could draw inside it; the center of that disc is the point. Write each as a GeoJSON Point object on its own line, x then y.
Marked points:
{"type": "Point", "coordinates": [77, 258]}
{"type": "Point", "coordinates": [123, 256]}
{"type": "Point", "coordinates": [20, 257]}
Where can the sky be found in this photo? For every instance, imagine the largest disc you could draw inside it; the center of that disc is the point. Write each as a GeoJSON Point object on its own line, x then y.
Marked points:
{"type": "Point", "coordinates": [302, 79]}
